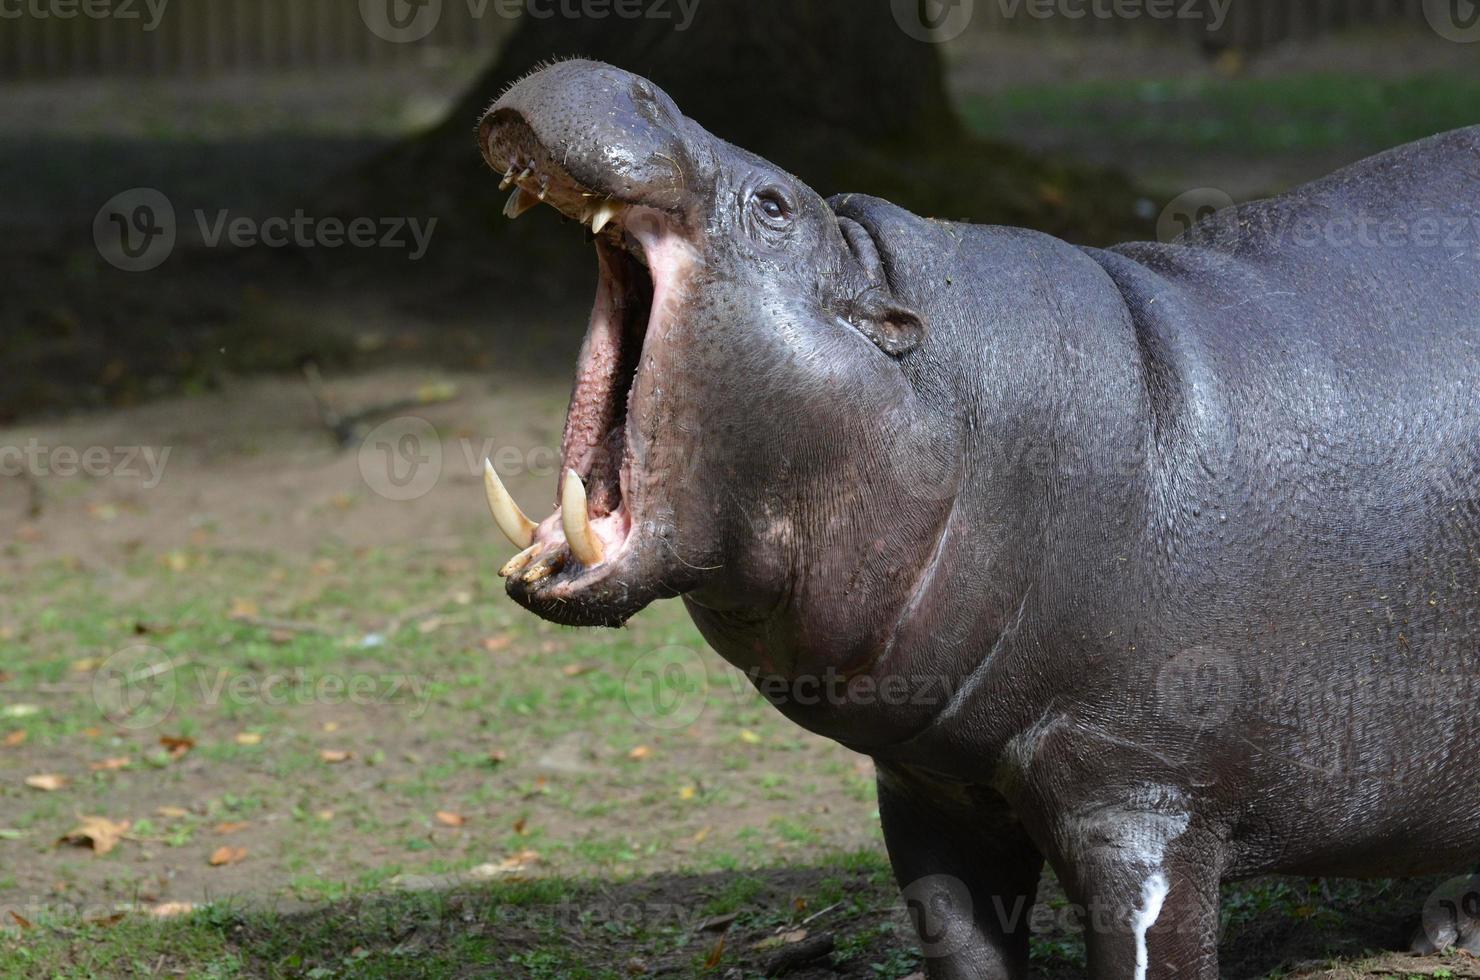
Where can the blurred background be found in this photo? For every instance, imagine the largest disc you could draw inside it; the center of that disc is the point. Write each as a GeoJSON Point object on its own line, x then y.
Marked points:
{"type": "Point", "coordinates": [261, 320]}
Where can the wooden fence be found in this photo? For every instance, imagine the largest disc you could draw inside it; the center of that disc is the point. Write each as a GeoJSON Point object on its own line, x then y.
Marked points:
{"type": "Point", "coordinates": [197, 37]}
{"type": "Point", "coordinates": [67, 38]}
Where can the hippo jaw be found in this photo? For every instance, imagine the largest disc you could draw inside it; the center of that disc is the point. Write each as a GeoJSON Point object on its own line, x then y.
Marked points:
{"type": "Point", "coordinates": [604, 554]}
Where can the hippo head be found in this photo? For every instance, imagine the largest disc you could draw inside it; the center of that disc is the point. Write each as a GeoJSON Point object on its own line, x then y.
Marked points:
{"type": "Point", "coordinates": [742, 420]}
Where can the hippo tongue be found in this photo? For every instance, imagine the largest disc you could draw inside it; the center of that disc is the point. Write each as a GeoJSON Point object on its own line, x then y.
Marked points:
{"type": "Point", "coordinates": [594, 444]}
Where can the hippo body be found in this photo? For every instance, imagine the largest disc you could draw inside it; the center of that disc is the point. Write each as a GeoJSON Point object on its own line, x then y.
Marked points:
{"type": "Point", "coordinates": [1159, 563]}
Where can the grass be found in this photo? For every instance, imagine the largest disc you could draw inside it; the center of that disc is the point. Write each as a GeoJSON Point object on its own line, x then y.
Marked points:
{"type": "Point", "coordinates": [1239, 116]}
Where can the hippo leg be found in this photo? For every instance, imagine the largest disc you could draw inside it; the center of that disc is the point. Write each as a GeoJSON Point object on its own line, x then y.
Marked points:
{"type": "Point", "coordinates": [968, 874]}
{"type": "Point", "coordinates": [1150, 904]}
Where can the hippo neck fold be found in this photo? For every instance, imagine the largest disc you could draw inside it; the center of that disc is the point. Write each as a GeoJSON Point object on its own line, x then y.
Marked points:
{"type": "Point", "coordinates": [1028, 393]}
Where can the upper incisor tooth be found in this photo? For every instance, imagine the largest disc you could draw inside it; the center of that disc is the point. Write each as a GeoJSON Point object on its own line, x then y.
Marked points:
{"type": "Point", "coordinates": [506, 514]}
{"type": "Point", "coordinates": [605, 212]}
{"type": "Point", "coordinates": [576, 521]}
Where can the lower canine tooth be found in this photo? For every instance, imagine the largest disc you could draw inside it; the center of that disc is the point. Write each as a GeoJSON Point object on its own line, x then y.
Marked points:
{"type": "Point", "coordinates": [576, 521]}
{"type": "Point", "coordinates": [506, 514]}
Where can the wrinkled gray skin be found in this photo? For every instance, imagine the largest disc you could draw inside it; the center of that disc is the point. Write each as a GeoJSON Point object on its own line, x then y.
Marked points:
{"type": "Point", "coordinates": [1159, 563]}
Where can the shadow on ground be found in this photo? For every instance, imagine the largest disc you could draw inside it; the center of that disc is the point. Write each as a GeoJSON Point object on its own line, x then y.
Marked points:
{"type": "Point", "coordinates": [839, 920]}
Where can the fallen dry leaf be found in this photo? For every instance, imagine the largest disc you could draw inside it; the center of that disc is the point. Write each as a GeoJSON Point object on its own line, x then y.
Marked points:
{"type": "Point", "coordinates": [688, 793]}
{"type": "Point", "coordinates": [640, 752]}
{"type": "Point", "coordinates": [227, 855]}
{"type": "Point", "coordinates": [92, 732]}
{"type": "Point", "coordinates": [576, 670]}
{"type": "Point", "coordinates": [86, 665]}
{"type": "Point", "coordinates": [513, 864]}
{"type": "Point", "coordinates": [712, 960]}
{"type": "Point", "coordinates": [14, 738]}
{"type": "Point", "coordinates": [333, 756]}
{"type": "Point", "coordinates": [99, 833]}
{"type": "Point", "coordinates": [702, 835]}
{"type": "Point", "coordinates": [109, 765]}
{"type": "Point", "coordinates": [172, 812]}
{"type": "Point", "coordinates": [494, 644]}
{"type": "Point", "coordinates": [176, 745]}
{"type": "Point", "coordinates": [106, 920]}
{"type": "Point", "coordinates": [20, 920]}
{"type": "Point", "coordinates": [168, 910]}
{"type": "Point", "coordinates": [248, 738]}
{"type": "Point", "coordinates": [749, 737]}
{"type": "Point", "coordinates": [231, 827]}
{"type": "Point", "coordinates": [449, 819]}
{"type": "Point", "coordinates": [48, 782]}
{"type": "Point", "coordinates": [331, 726]}
{"type": "Point", "coordinates": [325, 815]}
{"type": "Point", "coordinates": [243, 609]}
{"type": "Point", "coordinates": [519, 826]}
{"type": "Point", "coordinates": [497, 756]}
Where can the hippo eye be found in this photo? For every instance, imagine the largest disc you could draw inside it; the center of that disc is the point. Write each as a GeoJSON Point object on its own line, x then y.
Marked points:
{"type": "Point", "coordinates": [772, 205]}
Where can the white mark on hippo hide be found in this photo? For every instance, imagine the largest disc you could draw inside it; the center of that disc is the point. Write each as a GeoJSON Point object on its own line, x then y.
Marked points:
{"type": "Point", "coordinates": [1153, 893]}
{"type": "Point", "coordinates": [1134, 830]}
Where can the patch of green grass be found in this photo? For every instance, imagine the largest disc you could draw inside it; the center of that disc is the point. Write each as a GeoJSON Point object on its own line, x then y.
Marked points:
{"type": "Point", "coordinates": [1293, 113]}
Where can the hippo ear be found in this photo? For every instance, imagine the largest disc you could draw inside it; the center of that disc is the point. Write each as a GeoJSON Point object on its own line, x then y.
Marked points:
{"type": "Point", "coordinates": [896, 330]}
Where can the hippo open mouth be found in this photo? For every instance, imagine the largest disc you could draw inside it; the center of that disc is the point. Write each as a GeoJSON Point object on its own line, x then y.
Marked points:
{"type": "Point", "coordinates": [594, 561]}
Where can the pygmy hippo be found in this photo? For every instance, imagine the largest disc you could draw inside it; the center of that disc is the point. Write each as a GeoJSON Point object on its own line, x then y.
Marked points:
{"type": "Point", "coordinates": [1159, 563]}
